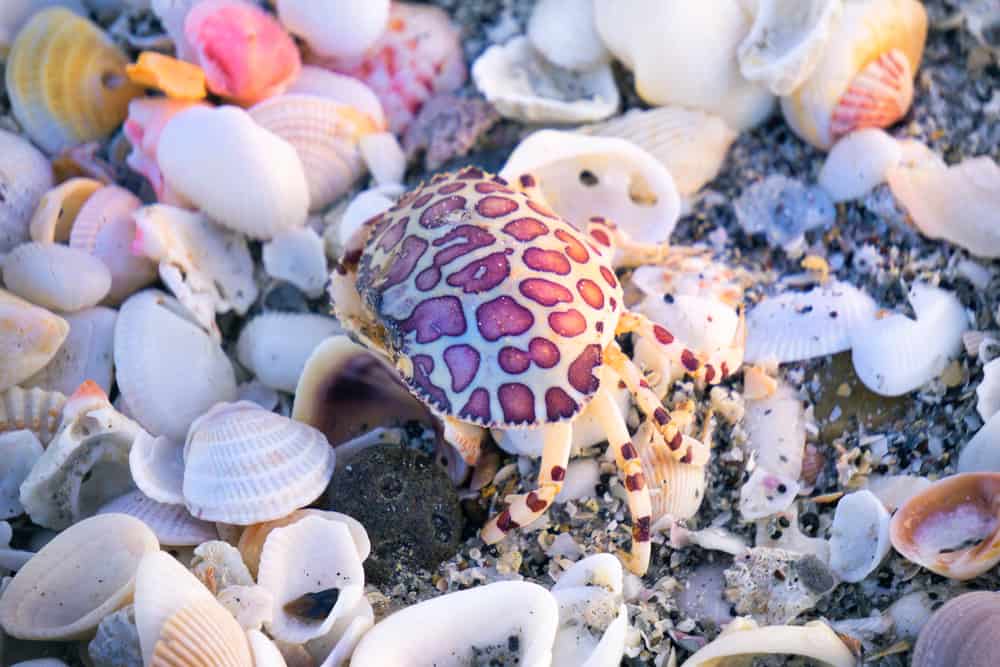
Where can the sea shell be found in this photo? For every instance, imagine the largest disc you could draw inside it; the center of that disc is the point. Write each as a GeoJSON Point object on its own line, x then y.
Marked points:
{"type": "Point", "coordinates": [60, 100]}
{"type": "Point", "coordinates": [25, 176]}
{"type": "Point", "coordinates": [167, 368]}
{"type": "Point", "coordinates": [29, 337]}
{"type": "Point", "coordinates": [982, 452]}
{"type": "Point", "coordinates": [34, 410]}
{"type": "Point", "coordinates": [766, 493]}
{"type": "Point", "coordinates": [794, 326]}
{"type": "Point", "coordinates": [962, 632]}
{"type": "Point", "coordinates": [59, 207]}
{"type": "Point", "coordinates": [675, 488]}
{"type": "Point", "coordinates": [251, 606]}
{"type": "Point", "coordinates": [82, 575]}
{"type": "Point", "coordinates": [172, 524]}
{"type": "Point", "coordinates": [776, 431]}
{"type": "Point", "coordinates": [245, 53]}
{"type": "Point", "coordinates": [276, 358]}
{"type": "Point", "coordinates": [894, 490]}
{"type": "Point", "coordinates": [335, 648]}
{"type": "Point", "coordinates": [523, 86]}
{"type": "Point", "coordinates": [245, 465]}
{"type": "Point", "coordinates": [454, 628]}
{"type": "Point", "coordinates": [21, 450]}
{"type": "Point", "coordinates": [363, 207]}
{"type": "Point", "coordinates": [341, 89]}
{"type": "Point", "coordinates": [171, 14]}
{"type": "Point", "coordinates": [342, 29]}
{"type": "Point", "coordinates": [86, 354]}
{"type": "Point", "coordinates": [951, 527]}
{"type": "Point", "coordinates": [858, 162]}
{"type": "Point", "coordinates": [325, 136]}
{"type": "Point", "coordinates": [692, 145]}
{"type": "Point", "coordinates": [265, 652]}
{"type": "Point", "coordinates": [565, 33]}
{"type": "Point", "coordinates": [895, 354]}
{"type": "Point", "coordinates": [384, 157]}
{"type": "Point", "coordinates": [15, 13]}
{"type": "Point", "coordinates": [297, 256]}
{"type": "Point", "coordinates": [177, 79]}
{"type": "Point", "coordinates": [960, 204]}
{"type": "Point", "coordinates": [56, 276]}
{"type": "Point", "coordinates": [988, 391]}
{"type": "Point", "coordinates": [584, 177]}
{"type": "Point", "coordinates": [742, 639]}
{"type": "Point", "coordinates": [147, 116]}
{"type": "Point", "coordinates": [218, 566]}
{"type": "Point", "coordinates": [239, 174]}
{"type": "Point", "coordinates": [865, 77]}
{"type": "Point", "coordinates": [593, 618]}
{"type": "Point", "coordinates": [157, 467]}
{"type": "Point", "coordinates": [859, 536]}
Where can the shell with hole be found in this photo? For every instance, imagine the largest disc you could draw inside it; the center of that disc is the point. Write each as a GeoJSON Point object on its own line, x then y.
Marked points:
{"type": "Point", "coordinates": [859, 536]}
{"type": "Point", "coordinates": [58, 209]}
{"type": "Point", "coordinates": [961, 632]}
{"type": "Point", "coordinates": [56, 276]}
{"type": "Point", "coordinates": [173, 525]}
{"type": "Point", "coordinates": [82, 575]}
{"type": "Point", "coordinates": [62, 101]}
{"type": "Point", "coordinates": [21, 450]}
{"type": "Point", "coordinates": [147, 116]}
{"type": "Point", "coordinates": [338, 29]}
{"type": "Point", "coordinates": [276, 358]}
{"type": "Point", "coordinates": [593, 618]}
{"type": "Point", "coordinates": [865, 76]}
{"type": "Point", "coordinates": [313, 80]}
{"type": "Point", "coordinates": [742, 639]}
{"type": "Point", "coordinates": [244, 465]}
{"type": "Point", "coordinates": [86, 354]}
{"type": "Point", "coordinates": [566, 35]}
{"type": "Point", "coordinates": [297, 256]}
{"type": "Point", "coordinates": [35, 410]}
{"type": "Point", "coordinates": [29, 337]}
{"type": "Point", "coordinates": [157, 467]}
{"type": "Point", "coordinates": [25, 177]}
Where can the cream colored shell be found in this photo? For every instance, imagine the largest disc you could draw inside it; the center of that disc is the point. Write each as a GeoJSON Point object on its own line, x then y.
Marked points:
{"type": "Point", "coordinates": [276, 358]}
{"type": "Point", "coordinates": [86, 354]}
{"type": "Point", "coordinates": [56, 276]}
{"type": "Point", "coordinates": [29, 337]}
{"type": "Point", "coordinates": [58, 209]}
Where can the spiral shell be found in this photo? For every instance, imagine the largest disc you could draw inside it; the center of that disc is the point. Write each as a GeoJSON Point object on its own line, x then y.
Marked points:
{"type": "Point", "coordinates": [25, 176]}
{"type": "Point", "coordinates": [29, 337]}
{"type": "Point", "coordinates": [35, 410]}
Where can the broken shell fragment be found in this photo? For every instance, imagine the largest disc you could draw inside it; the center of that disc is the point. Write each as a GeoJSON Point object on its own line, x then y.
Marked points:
{"type": "Point", "coordinates": [859, 537]}
{"type": "Point", "coordinates": [776, 431]}
{"type": "Point", "coordinates": [961, 632]}
{"type": "Point", "coordinates": [858, 162]}
{"type": "Point", "coordinates": [593, 618]}
{"type": "Point", "coordinates": [988, 391]}
{"type": "Point", "coordinates": [35, 410]}
{"type": "Point", "coordinates": [25, 176]}
{"type": "Point", "coordinates": [175, 78]}
{"type": "Point", "coordinates": [297, 256]}
{"type": "Point", "coordinates": [86, 354]}
{"type": "Point", "coordinates": [58, 209]}
{"type": "Point", "coordinates": [157, 467]}
{"type": "Point", "coordinates": [276, 358]}
{"type": "Point", "coordinates": [743, 639]}
{"type": "Point", "coordinates": [21, 450]}
{"type": "Point", "coordinates": [766, 493]}
{"type": "Point", "coordinates": [343, 29]}
{"type": "Point", "coordinates": [29, 337]}
{"type": "Point", "coordinates": [565, 33]}
{"type": "Point", "coordinates": [56, 276]}
{"type": "Point", "coordinates": [172, 524]}
{"type": "Point", "coordinates": [982, 452]}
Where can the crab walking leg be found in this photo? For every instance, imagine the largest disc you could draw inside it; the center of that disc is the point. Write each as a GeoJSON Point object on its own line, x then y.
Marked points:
{"type": "Point", "coordinates": [525, 508]}
{"type": "Point", "coordinates": [627, 252]}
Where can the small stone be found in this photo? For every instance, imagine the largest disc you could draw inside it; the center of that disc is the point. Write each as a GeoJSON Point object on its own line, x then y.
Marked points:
{"type": "Point", "coordinates": [116, 643]}
{"type": "Point", "coordinates": [953, 375]}
{"type": "Point", "coordinates": [783, 209]}
{"type": "Point", "coordinates": [447, 127]}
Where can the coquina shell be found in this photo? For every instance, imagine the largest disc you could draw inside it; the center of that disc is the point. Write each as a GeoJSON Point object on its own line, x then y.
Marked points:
{"type": "Point", "coordinates": [565, 33]}
{"type": "Point", "coordinates": [29, 337]}
{"type": "Point", "coordinates": [56, 276]}
{"type": "Point", "coordinates": [86, 354]}
{"type": "Point", "coordinates": [342, 29]}
{"type": "Point", "coordinates": [35, 410]}
{"type": "Point", "coordinates": [25, 176]}
{"type": "Point", "coordinates": [21, 450]}
{"type": "Point", "coordinates": [82, 575]}
{"type": "Point", "coordinates": [743, 639]}
{"type": "Point", "coordinates": [66, 81]}
{"type": "Point", "coordinates": [276, 358]}
{"type": "Point", "coordinates": [962, 632]}
{"type": "Point", "coordinates": [59, 207]}
{"type": "Point", "coordinates": [173, 525]}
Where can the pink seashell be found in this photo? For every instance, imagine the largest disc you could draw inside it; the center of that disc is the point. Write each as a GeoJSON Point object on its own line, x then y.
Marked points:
{"type": "Point", "coordinates": [246, 54]}
{"type": "Point", "coordinates": [417, 57]}
{"type": "Point", "coordinates": [146, 119]}
{"type": "Point", "coordinates": [878, 96]}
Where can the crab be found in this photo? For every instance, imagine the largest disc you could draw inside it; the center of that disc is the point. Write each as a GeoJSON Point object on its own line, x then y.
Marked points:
{"type": "Point", "coordinates": [499, 314]}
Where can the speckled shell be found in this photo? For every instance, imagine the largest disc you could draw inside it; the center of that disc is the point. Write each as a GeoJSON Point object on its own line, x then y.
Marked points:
{"type": "Point", "coordinates": [25, 176]}
{"type": "Point", "coordinates": [526, 288]}
{"type": "Point", "coordinates": [66, 81]}
{"type": "Point", "coordinates": [962, 632]}
{"type": "Point", "coordinates": [56, 276]}
{"type": "Point", "coordinates": [36, 410]}
{"type": "Point", "coordinates": [29, 337]}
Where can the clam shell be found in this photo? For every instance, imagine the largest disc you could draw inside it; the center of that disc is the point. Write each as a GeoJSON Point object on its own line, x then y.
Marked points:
{"type": "Point", "coordinates": [342, 29]}
{"type": "Point", "coordinates": [245, 465]}
{"type": "Point", "coordinates": [172, 524]}
{"type": "Point", "coordinates": [86, 354]}
{"type": "Point", "coordinates": [962, 632]}
{"type": "Point", "coordinates": [167, 368]}
{"type": "Point", "coordinates": [276, 358]}
{"type": "Point", "coordinates": [59, 207]}
{"type": "Point", "coordinates": [859, 536]}
{"type": "Point", "coordinates": [858, 162]}
{"type": "Point", "coordinates": [238, 173]}
{"type": "Point", "coordinates": [35, 410]}
{"type": "Point", "coordinates": [29, 337]}
{"type": "Point", "coordinates": [82, 575]}
{"type": "Point", "coordinates": [982, 452]}
{"type": "Point", "coordinates": [742, 638]}
{"type": "Point", "coordinates": [21, 450]}
{"type": "Point", "coordinates": [157, 467]}
{"type": "Point", "coordinates": [341, 89]}
{"type": "Point", "coordinates": [297, 256]}
{"type": "Point", "coordinates": [564, 32]}
{"type": "Point", "coordinates": [25, 176]}
{"type": "Point", "coordinates": [66, 81]}
{"type": "Point", "coordinates": [56, 276]}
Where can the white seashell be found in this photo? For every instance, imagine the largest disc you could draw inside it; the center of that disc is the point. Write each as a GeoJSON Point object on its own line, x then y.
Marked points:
{"type": "Point", "coordinates": [21, 450]}
{"type": "Point", "coordinates": [742, 639]}
{"type": "Point", "coordinates": [334, 648]}
{"type": "Point", "coordinates": [523, 86]}
{"type": "Point", "coordinates": [218, 565]}
{"type": "Point", "coordinates": [241, 175]}
{"type": "Point", "coordinates": [384, 157]}
{"type": "Point", "coordinates": [704, 324]}
{"type": "Point", "coordinates": [29, 337]}
{"type": "Point", "coordinates": [257, 392]}
{"type": "Point", "coordinates": [340, 88]}
{"type": "Point", "coordinates": [35, 410]}
{"type": "Point", "coordinates": [988, 391]}
{"type": "Point", "coordinates": [982, 452]}
{"type": "Point", "coordinates": [157, 467]}
{"type": "Point", "coordinates": [593, 619]}
{"type": "Point", "coordinates": [167, 368]}
{"type": "Point", "coordinates": [335, 28]}
{"type": "Point", "coordinates": [766, 493]}
{"type": "Point", "coordinates": [49, 599]}
{"type": "Point", "coordinates": [56, 276]}
{"type": "Point", "coordinates": [365, 206]}
{"type": "Point", "coordinates": [786, 41]}
{"type": "Point", "coordinates": [25, 173]}
{"type": "Point", "coordinates": [15, 13]}
{"type": "Point", "coordinates": [794, 326]}
{"type": "Point", "coordinates": [11, 559]}
{"type": "Point", "coordinates": [208, 268]}
{"type": "Point", "coordinates": [564, 32]}
{"type": "Point", "coordinates": [58, 208]}
{"type": "Point", "coordinates": [297, 256]}
{"type": "Point", "coordinates": [859, 536]}
{"type": "Point", "coordinates": [452, 628]}
{"type": "Point", "coordinates": [858, 162]}
{"type": "Point", "coordinates": [172, 524]}
{"type": "Point", "coordinates": [776, 432]}
{"type": "Point", "coordinates": [582, 478]}
{"type": "Point", "coordinates": [171, 14]}
{"type": "Point", "coordinates": [583, 177]}
{"type": "Point", "coordinates": [265, 652]}
{"type": "Point", "coordinates": [245, 465]}
{"type": "Point", "coordinates": [894, 490]}
{"type": "Point", "coordinates": [251, 606]}
{"type": "Point", "coordinates": [960, 204]}
{"type": "Point", "coordinates": [692, 145]}
{"type": "Point", "coordinates": [86, 354]}
{"type": "Point", "coordinates": [276, 358]}
{"type": "Point", "coordinates": [791, 538]}
{"type": "Point", "coordinates": [895, 355]}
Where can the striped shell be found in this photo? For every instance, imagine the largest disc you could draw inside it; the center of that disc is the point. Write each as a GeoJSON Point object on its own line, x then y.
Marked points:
{"type": "Point", "coordinates": [962, 632]}
{"type": "Point", "coordinates": [35, 410]}
{"type": "Point", "coordinates": [25, 176]}
{"type": "Point", "coordinates": [173, 525]}
{"type": "Point", "coordinates": [341, 89]}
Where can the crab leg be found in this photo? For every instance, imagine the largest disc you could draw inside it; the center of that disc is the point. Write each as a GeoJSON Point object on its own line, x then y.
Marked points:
{"type": "Point", "coordinates": [525, 508]}
{"type": "Point", "coordinates": [627, 252]}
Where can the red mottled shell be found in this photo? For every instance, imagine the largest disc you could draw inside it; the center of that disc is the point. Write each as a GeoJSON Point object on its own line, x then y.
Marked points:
{"type": "Point", "coordinates": [503, 309]}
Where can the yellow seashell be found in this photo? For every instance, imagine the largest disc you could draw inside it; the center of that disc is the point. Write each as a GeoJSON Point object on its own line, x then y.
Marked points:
{"type": "Point", "coordinates": [203, 634]}
{"type": "Point", "coordinates": [177, 79]}
{"type": "Point", "coordinates": [57, 211]}
{"type": "Point", "coordinates": [66, 81]}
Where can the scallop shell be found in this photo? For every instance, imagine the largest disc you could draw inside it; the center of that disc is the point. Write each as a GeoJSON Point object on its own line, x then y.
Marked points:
{"type": "Point", "coordinates": [157, 467]}
{"type": "Point", "coordinates": [742, 638]}
{"type": "Point", "coordinates": [343, 29]}
{"type": "Point", "coordinates": [59, 207]}
{"type": "Point", "coordinates": [276, 358]}
{"type": "Point", "coordinates": [29, 337]}
{"type": "Point", "coordinates": [325, 136]}
{"type": "Point", "coordinates": [167, 368]}
{"type": "Point", "coordinates": [238, 173]}
{"type": "Point", "coordinates": [35, 410]}
{"type": "Point", "coordinates": [675, 488]}
{"type": "Point", "coordinates": [297, 256]}
{"type": "Point", "coordinates": [895, 354]}
{"type": "Point", "coordinates": [858, 162]}
{"type": "Point", "coordinates": [49, 597]}
{"type": "Point", "coordinates": [865, 77]}
{"type": "Point", "coordinates": [453, 628]}
{"type": "Point", "coordinates": [962, 632]}
{"type": "Point", "coordinates": [147, 117]}
{"type": "Point", "coordinates": [25, 176]}
{"type": "Point", "coordinates": [341, 89]}
{"type": "Point", "coordinates": [982, 452]}
{"type": "Point", "coordinates": [245, 465]}
{"type": "Point", "coordinates": [859, 536]}
{"type": "Point", "coordinates": [86, 354]}
{"type": "Point", "coordinates": [66, 81]}
{"type": "Point", "coordinates": [15, 13]}
{"type": "Point", "coordinates": [56, 276]}
{"type": "Point", "coordinates": [565, 33]}
{"type": "Point", "coordinates": [21, 450]}
{"type": "Point", "coordinates": [172, 524]}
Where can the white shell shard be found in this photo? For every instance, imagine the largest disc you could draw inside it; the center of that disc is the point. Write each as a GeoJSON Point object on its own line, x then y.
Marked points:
{"type": "Point", "coordinates": [858, 162]}
{"type": "Point", "coordinates": [86, 354]}
{"type": "Point", "coordinates": [786, 41]}
{"type": "Point", "coordinates": [157, 467]}
{"type": "Point", "coordinates": [218, 565]}
{"type": "Point", "coordinates": [21, 450]}
{"type": "Point", "coordinates": [309, 558]}
{"type": "Point", "coordinates": [582, 177]}
{"type": "Point", "coordinates": [794, 326]}
{"type": "Point", "coordinates": [35, 410]}
{"type": "Point", "coordinates": [25, 176]}
{"type": "Point", "coordinates": [449, 630]}
{"type": "Point", "coordinates": [593, 619]}
{"type": "Point", "coordinates": [766, 493]}
{"type": "Point", "coordinates": [335, 28]}
{"type": "Point", "coordinates": [692, 145]}
{"type": "Point", "coordinates": [277, 358]}
{"type": "Point", "coordinates": [895, 355]}
{"type": "Point", "coordinates": [564, 32]}
{"type": "Point", "coordinates": [334, 648]}
{"type": "Point", "coordinates": [523, 86]}
{"type": "Point", "coordinates": [297, 256]}
{"type": "Point", "coordinates": [29, 337]}
{"type": "Point", "coordinates": [56, 276]}
{"type": "Point", "coordinates": [988, 391]}
{"type": "Point", "coordinates": [742, 639]}
{"type": "Point", "coordinates": [168, 369]}
{"type": "Point", "coordinates": [384, 157]}
{"type": "Point", "coordinates": [340, 88]}
{"type": "Point", "coordinates": [265, 652]}
{"type": "Point", "coordinates": [245, 465]}
{"type": "Point", "coordinates": [82, 575]}
{"type": "Point", "coordinates": [859, 536]}
{"type": "Point", "coordinates": [776, 431]}
{"type": "Point", "coordinates": [250, 605]}
{"type": "Point", "coordinates": [982, 452]}
{"type": "Point", "coordinates": [172, 524]}
{"type": "Point", "coordinates": [241, 175]}
{"type": "Point", "coordinates": [960, 204]}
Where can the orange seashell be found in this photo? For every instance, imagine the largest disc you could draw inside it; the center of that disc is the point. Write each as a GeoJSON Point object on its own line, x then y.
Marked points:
{"type": "Point", "coordinates": [177, 79]}
{"type": "Point", "coordinates": [878, 96]}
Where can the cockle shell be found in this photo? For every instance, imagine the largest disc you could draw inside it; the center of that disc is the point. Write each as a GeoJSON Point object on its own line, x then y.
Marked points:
{"type": "Point", "coordinates": [675, 488]}
{"type": "Point", "coordinates": [29, 337]}
{"type": "Point", "coordinates": [341, 89]}
{"type": "Point", "coordinates": [82, 575]}
{"type": "Point", "coordinates": [25, 176]}
{"type": "Point", "coordinates": [157, 467]}
{"type": "Point", "coordinates": [859, 536]}
{"type": "Point", "coordinates": [21, 450]}
{"type": "Point", "coordinates": [962, 632]}
{"type": "Point", "coordinates": [56, 276]}
{"type": "Point", "coordinates": [565, 33]}
{"type": "Point", "coordinates": [337, 28]}
{"type": "Point", "coordinates": [858, 162]}
{"type": "Point", "coordinates": [297, 256]}
{"type": "Point", "coordinates": [147, 116]}
{"type": "Point", "coordinates": [742, 639]}
{"type": "Point", "coordinates": [86, 354]}
{"type": "Point", "coordinates": [238, 173]}
{"type": "Point", "coordinates": [245, 465]}
{"type": "Point", "coordinates": [35, 410]}
{"type": "Point", "coordinates": [593, 618]}
{"type": "Point", "coordinates": [276, 358]}
{"type": "Point", "coordinates": [59, 207]}
{"type": "Point", "coordinates": [865, 77]}
{"type": "Point", "coordinates": [173, 525]}
{"type": "Point", "coordinates": [218, 565]}
{"type": "Point", "coordinates": [952, 527]}
{"type": "Point", "coordinates": [66, 81]}
{"type": "Point", "coordinates": [15, 13]}
{"type": "Point", "coordinates": [167, 368]}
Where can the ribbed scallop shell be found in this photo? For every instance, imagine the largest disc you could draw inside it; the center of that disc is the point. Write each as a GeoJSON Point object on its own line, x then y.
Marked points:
{"type": "Point", "coordinates": [29, 337]}
{"type": "Point", "coordinates": [56, 276]}
{"type": "Point", "coordinates": [342, 89]}
{"type": "Point", "coordinates": [962, 632]}
{"type": "Point", "coordinates": [675, 488]}
{"type": "Point", "coordinates": [276, 358]}
{"type": "Point", "coordinates": [25, 176]}
{"type": "Point", "coordinates": [36, 410]}
{"type": "Point", "coordinates": [173, 525]}
{"type": "Point", "coordinates": [86, 354]}
{"type": "Point", "coordinates": [66, 81]}
{"type": "Point", "coordinates": [245, 465]}
{"type": "Point", "coordinates": [878, 96]}
{"type": "Point", "coordinates": [201, 634]}
{"type": "Point", "coordinates": [59, 207]}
